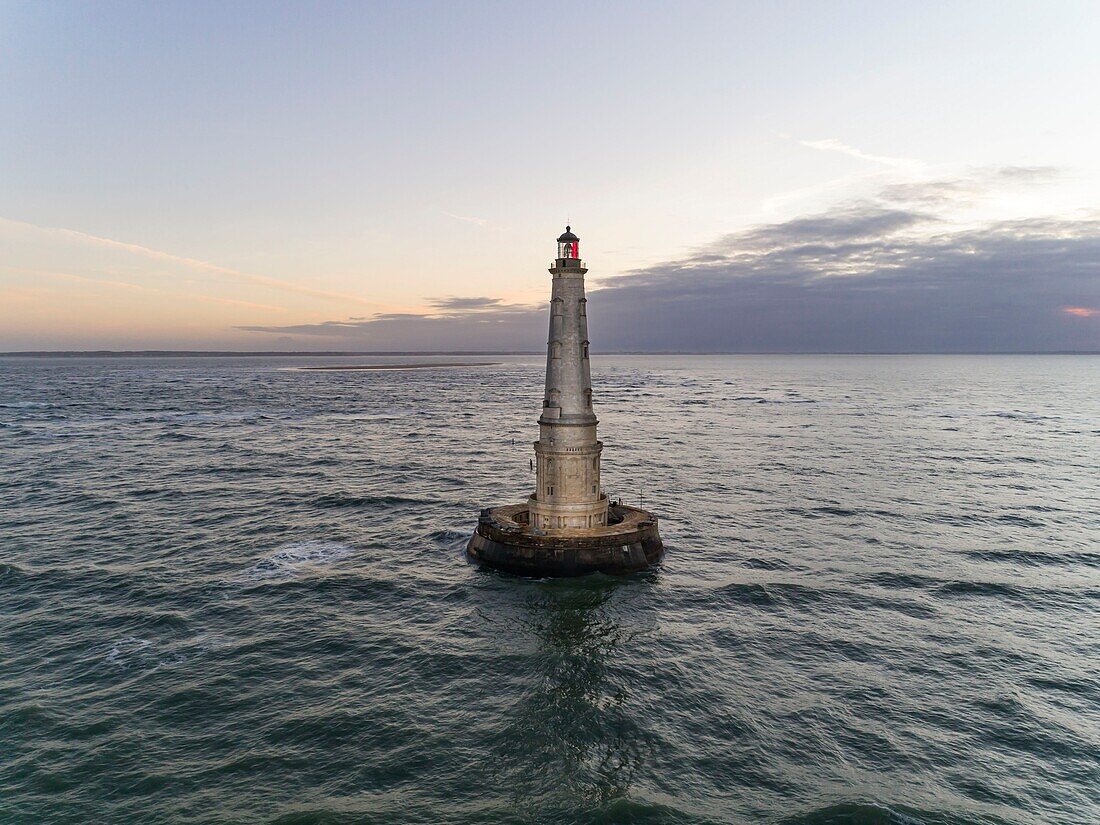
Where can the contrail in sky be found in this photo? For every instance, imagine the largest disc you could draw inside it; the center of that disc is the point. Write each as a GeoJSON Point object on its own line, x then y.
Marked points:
{"type": "Point", "coordinates": [194, 263]}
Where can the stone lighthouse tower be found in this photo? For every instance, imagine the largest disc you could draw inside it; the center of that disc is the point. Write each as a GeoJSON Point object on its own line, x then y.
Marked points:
{"type": "Point", "coordinates": [567, 527]}
{"type": "Point", "coordinates": [567, 493]}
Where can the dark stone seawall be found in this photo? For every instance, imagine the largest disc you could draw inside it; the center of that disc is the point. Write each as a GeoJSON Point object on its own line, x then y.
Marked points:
{"type": "Point", "coordinates": [632, 545]}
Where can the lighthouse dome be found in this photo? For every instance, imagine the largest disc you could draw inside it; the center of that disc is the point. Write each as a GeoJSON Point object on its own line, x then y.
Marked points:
{"type": "Point", "coordinates": [567, 236]}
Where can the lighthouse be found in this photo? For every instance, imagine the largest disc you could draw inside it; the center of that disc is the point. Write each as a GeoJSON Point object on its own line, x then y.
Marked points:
{"type": "Point", "coordinates": [567, 492]}
{"type": "Point", "coordinates": [567, 527]}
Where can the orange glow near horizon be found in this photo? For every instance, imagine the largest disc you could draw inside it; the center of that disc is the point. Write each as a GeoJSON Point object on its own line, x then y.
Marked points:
{"type": "Point", "coordinates": [1081, 312]}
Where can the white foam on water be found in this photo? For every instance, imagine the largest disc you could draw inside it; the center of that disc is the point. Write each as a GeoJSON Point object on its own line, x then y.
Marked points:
{"type": "Point", "coordinates": [289, 561]}
{"type": "Point", "coordinates": [123, 651]}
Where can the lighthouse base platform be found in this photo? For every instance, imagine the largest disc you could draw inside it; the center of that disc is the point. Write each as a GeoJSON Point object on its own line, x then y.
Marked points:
{"type": "Point", "coordinates": [505, 540]}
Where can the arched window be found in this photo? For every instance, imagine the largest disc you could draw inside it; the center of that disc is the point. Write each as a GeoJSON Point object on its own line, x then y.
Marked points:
{"type": "Point", "coordinates": [556, 306]}
{"type": "Point", "coordinates": [584, 349]}
{"type": "Point", "coordinates": [555, 349]}
{"type": "Point", "coordinates": [583, 305]}
{"type": "Point", "coordinates": [588, 398]}
{"type": "Point", "coordinates": [555, 398]}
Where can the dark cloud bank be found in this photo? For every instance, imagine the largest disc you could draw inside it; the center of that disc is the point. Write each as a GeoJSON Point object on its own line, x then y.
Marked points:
{"type": "Point", "coordinates": [884, 275]}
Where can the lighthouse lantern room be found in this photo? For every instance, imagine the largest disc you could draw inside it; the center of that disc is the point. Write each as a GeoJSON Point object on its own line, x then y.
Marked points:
{"type": "Point", "coordinates": [569, 246]}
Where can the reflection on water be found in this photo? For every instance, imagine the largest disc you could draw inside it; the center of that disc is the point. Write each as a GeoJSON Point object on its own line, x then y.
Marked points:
{"type": "Point", "coordinates": [583, 745]}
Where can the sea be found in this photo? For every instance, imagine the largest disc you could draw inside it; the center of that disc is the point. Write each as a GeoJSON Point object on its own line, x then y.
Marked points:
{"type": "Point", "coordinates": [235, 591]}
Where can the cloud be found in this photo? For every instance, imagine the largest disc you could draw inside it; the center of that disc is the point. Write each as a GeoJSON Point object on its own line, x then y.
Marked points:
{"type": "Point", "coordinates": [995, 288]}
{"type": "Point", "coordinates": [468, 219]}
{"type": "Point", "coordinates": [965, 189]}
{"type": "Point", "coordinates": [330, 329]}
{"type": "Point", "coordinates": [890, 273]}
{"type": "Point", "coordinates": [848, 224]}
{"type": "Point", "coordinates": [834, 145]}
{"type": "Point", "coordinates": [484, 324]}
{"type": "Point", "coordinates": [465, 303]}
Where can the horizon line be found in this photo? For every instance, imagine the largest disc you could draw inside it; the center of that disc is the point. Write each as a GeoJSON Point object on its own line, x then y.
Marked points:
{"type": "Point", "coordinates": [173, 353]}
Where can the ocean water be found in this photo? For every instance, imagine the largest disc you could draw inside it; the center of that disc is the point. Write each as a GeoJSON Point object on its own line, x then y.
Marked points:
{"type": "Point", "coordinates": [234, 592]}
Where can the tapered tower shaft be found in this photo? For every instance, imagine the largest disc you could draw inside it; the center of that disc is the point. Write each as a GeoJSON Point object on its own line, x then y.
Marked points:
{"type": "Point", "coordinates": [568, 493]}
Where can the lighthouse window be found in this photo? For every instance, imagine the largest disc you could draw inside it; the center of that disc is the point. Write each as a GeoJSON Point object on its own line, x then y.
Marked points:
{"type": "Point", "coordinates": [549, 491]}
{"type": "Point", "coordinates": [583, 304]}
{"type": "Point", "coordinates": [586, 349]}
{"type": "Point", "coordinates": [555, 350]}
{"type": "Point", "coordinates": [588, 396]}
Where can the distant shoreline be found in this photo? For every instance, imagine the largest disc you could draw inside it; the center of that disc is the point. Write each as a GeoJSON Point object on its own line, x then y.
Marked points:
{"type": "Point", "coordinates": [198, 353]}
{"type": "Point", "coordinates": [434, 353]}
{"type": "Point", "coordinates": [403, 366]}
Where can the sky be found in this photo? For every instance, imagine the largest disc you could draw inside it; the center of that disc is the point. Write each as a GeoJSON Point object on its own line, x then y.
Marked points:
{"type": "Point", "coordinates": [744, 176]}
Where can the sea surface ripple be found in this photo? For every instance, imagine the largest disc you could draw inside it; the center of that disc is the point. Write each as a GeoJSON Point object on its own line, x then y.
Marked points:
{"type": "Point", "coordinates": [234, 592]}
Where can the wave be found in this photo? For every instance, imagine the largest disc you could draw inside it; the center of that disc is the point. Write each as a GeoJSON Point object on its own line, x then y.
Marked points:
{"type": "Point", "coordinates": [130, 652]}
{"type": "Point", "coordinates": [771, 593]}
{"type": "Point", "coordinates": [759, 399]}
{"type": "Point", "coordinates": [1017, 415]}
{"type": "Point", "coordinates": [345, 500]}
{"type": "Point", "coordinates": [24, 405]}
{"type": "Point", "coordinates": [862, 813]}
{"type": "Point", "coordinates": [291, 560]}
{"type": "Point", "coordinates": [449, 538]}
{"type": "Point", "coordinates": [982, 588]}
{"type": "Point", "coordinates": [174, 436]}
{"type": "Point", "coordinates": [1038, 558]}
{"type": "Point", "coordinates": [12, 570]}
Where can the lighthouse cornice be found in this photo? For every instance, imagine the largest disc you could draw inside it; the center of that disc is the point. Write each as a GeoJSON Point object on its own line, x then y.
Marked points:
{"type": "Point", "coordinates": [569, 420]}
{"type": "Point", "coordinates": [585, 449]}
{"type": "Point", "coordinates": [568, 266]}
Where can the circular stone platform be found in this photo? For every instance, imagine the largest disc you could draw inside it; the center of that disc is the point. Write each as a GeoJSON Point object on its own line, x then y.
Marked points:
{"type": "Point", "coordinates": [505, 540]}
